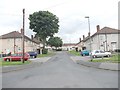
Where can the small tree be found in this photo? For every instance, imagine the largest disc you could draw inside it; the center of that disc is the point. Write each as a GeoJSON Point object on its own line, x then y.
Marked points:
{"type": "Point", "coordinates": [45, 24]}
{"type": "Point", "coordinates": [55, 41]}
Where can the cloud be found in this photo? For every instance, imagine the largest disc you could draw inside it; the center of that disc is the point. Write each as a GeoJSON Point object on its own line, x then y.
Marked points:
{"type": "Point", "coordinates": [71, 14]}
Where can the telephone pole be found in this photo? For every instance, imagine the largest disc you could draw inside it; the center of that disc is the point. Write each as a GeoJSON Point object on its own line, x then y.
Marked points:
{"type": "Point", "coordinates": [23, 51]}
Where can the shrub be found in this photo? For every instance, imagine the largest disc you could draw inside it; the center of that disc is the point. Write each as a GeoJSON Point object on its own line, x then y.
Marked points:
{"type": "Point", "coordinates": [58, 49]}
{"type": "Point", "coordinates": [44, 51]}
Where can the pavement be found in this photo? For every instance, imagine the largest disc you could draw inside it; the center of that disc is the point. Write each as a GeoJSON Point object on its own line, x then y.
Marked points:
{"type": "Point", "coordinates": [100, 65]}
{"type": "Point", "coordinates": [34, 62]}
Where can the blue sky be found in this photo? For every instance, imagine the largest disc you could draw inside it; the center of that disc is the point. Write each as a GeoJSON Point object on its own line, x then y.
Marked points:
{"type": "Point", "coordinates": [71, 13]}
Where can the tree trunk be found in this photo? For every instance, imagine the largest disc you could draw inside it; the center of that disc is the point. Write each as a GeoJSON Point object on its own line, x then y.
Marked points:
{"type": "Point", "coordinates": [44, 42]}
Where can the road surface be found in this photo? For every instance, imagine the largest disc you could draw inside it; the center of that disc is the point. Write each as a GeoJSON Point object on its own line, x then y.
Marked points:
{"type": "Point", "coordinates": [61, 72]}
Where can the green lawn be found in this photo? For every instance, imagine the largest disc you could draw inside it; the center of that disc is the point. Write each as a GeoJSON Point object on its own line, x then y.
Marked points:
{"type": "Point", "coordinates": [0, 59]}
{"type": "Point", "coordinates": [113, 59]}
{"type": "Point", "coordinates": [74, 53]}
{"type": "Point", "coordinates": [5, 63]}
{"type": "Point", "coordinates": [46, 55]}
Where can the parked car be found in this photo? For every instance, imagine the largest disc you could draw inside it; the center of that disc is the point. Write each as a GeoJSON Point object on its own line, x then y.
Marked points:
{"type": "Point", "coordinates": [33, 54]}
{"type": "Point", "coordinates": [100, 53]}
{"type": "Point", "coordinates": [17, 57]}
{"type": "Point", "coordinates": [85, 53]}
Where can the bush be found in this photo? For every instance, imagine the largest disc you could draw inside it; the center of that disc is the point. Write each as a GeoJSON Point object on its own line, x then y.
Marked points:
{"type": "Point", "coordinates": [44, 51]}
{"type": "Point", "coordinates": [58, 49]}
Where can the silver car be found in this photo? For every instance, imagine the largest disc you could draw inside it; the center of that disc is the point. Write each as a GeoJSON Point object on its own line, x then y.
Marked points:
{"type": "Point", "coordinates": [100, 53]}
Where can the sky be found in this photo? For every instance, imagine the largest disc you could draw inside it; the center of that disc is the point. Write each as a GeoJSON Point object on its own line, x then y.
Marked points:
{"type": "Point", "coordinates": [71, 14]}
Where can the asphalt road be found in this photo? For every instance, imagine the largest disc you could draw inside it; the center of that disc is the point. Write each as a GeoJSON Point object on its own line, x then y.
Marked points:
{"type": "Point", "coordinates": [60, 72]}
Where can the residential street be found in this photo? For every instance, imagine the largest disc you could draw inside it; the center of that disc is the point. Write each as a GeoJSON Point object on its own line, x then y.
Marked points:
{"type": "Point", "coordinates": [60, 72]}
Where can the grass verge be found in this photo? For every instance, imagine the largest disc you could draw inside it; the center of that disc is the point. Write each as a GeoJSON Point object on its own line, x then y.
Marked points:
{"type": "Point", "coordinates": [46, 55]}
{"type": "Point", "coordinates": [113, 59]}
{"type": "Point", "coordinates": [5, 63]}
{"type": "Point", "coordinates": [74, 53]}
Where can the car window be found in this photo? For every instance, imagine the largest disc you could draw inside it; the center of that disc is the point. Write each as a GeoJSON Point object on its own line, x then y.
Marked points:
{"type": "Point", "coordinates": [101, 51]}
{"type": "Point", "coordinates": [17, 54]}
{"type": "Point", "coordinates": [31, 52]}
{"type": "Point", "coordinates": [96, 51]}
{"type": "Point", "coordinates": [14, 55]}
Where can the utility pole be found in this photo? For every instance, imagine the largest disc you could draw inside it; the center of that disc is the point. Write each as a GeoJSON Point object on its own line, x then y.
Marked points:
{"type": "Point", "coordinates": [23, 35]}
{"type": "Point", "coordinates": [106, 41]}
{"type": "Point", "coordinates": [14, 43]}
{"type": "Point", "coordinates": [89, 34]}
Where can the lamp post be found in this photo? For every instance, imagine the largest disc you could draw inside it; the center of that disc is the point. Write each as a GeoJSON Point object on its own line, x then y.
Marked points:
{"type": "Point", "coordinates": [89, 33]}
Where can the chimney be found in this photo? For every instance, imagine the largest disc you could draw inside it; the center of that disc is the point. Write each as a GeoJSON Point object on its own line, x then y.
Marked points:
{"type": "Point", "coordinates": [32, 37]}
{"type": "Point", "coordinates": [88, 34]}
{"type": "Point", "coordinates": [83, 37]}
{"type": "Point", "coordinates": [21, 30]}
{"type": "Point", "coordinates": [98, 28]}
{"type": "Point", "coordinates": [80, 39]}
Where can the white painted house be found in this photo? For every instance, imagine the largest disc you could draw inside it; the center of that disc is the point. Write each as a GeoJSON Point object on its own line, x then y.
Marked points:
{"type": "Point", "coordinates": [69, 46]}
{"type": "Point", "coordinates": [104, 39]}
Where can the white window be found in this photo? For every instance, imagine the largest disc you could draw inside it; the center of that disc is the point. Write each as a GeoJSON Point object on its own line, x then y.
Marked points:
{"type": "Point", "coordinates": [114, 45]}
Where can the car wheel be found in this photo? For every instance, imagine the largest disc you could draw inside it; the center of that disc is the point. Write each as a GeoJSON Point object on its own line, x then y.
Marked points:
{"type": "Point", "coordinates": [35, 56]}
{"type": "Point", "coordinates": [83, 54]}
{"type": "Point", "coordinates": [108, 55]}
{"type": "Point", "coordinates": [94, 56]}
{"type": "Point", "coordinates": [8, 60]}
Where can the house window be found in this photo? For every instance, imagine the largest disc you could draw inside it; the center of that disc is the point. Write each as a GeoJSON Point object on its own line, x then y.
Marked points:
{"type": "Point", "coordinates": [101, 45]}
{"type": "Point", "coordinates": [26, 40]}
{"type": "Point", "coordinates": [101, 37]}
{"type": "Point", "coordinates": [114, 45]}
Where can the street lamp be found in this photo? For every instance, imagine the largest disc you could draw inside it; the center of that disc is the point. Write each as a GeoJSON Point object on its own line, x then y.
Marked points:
{"type": "Point", "coordinates": [89, 32]}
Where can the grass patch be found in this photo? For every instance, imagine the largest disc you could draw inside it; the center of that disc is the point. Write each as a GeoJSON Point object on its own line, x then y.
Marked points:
{"type": "Point", "coordinates": [0, 59]}
{"type": "Point", "coordinates": [45, 55]}
{"type": "Point", "coordinates": [113, 59]}
{"type": "Point", "coordinates": [74, 53]}
{"type": "Point", "coordinates": [5, 63]}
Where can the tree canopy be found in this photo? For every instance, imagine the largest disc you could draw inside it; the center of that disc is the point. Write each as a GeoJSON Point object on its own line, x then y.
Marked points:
{"type": "Point", "coordinates": [55, 41]}
{"type": "Point", "coordinates": [44, 23]}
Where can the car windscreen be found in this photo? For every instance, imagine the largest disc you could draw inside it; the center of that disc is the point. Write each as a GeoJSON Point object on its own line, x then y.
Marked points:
{"type": "Point", "coordinates": [32, 52]}
{"type": "Point", "coordinates": [17, 54]}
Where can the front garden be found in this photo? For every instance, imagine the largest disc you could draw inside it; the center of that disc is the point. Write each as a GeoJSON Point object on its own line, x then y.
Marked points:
{"type": "Point", "coordinates": [113, 59]}
{"type": "Point", "coordinates": [74, 53]}
{"type": "Point", "coordinates": [5, 63]}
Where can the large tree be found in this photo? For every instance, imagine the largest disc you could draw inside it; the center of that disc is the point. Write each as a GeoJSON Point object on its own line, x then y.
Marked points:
{"type": "Point", "coordinates": [45, 24]}
{"type": "Point", "coordinates": [55, 41]}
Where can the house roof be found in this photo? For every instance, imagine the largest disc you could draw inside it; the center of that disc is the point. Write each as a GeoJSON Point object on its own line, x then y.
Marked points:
{"type": "Point", "coordinates": [107, 30]}
{"type": "Point", "coordinates": [16, 34]}
{"type": "Point", "coordinates": [69, 44]}
{"type": "Point", "coordinates": [13, 34]}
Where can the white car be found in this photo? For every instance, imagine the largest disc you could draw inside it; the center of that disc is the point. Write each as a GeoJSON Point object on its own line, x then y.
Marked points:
{"type": "Point", "coordinates": [100, 53]}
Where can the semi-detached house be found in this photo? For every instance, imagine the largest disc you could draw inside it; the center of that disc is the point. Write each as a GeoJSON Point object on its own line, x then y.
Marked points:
{"type": "Point", "coordinates": [106, 39]}
{"type": "Point", "coordinates": [12, 42]}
